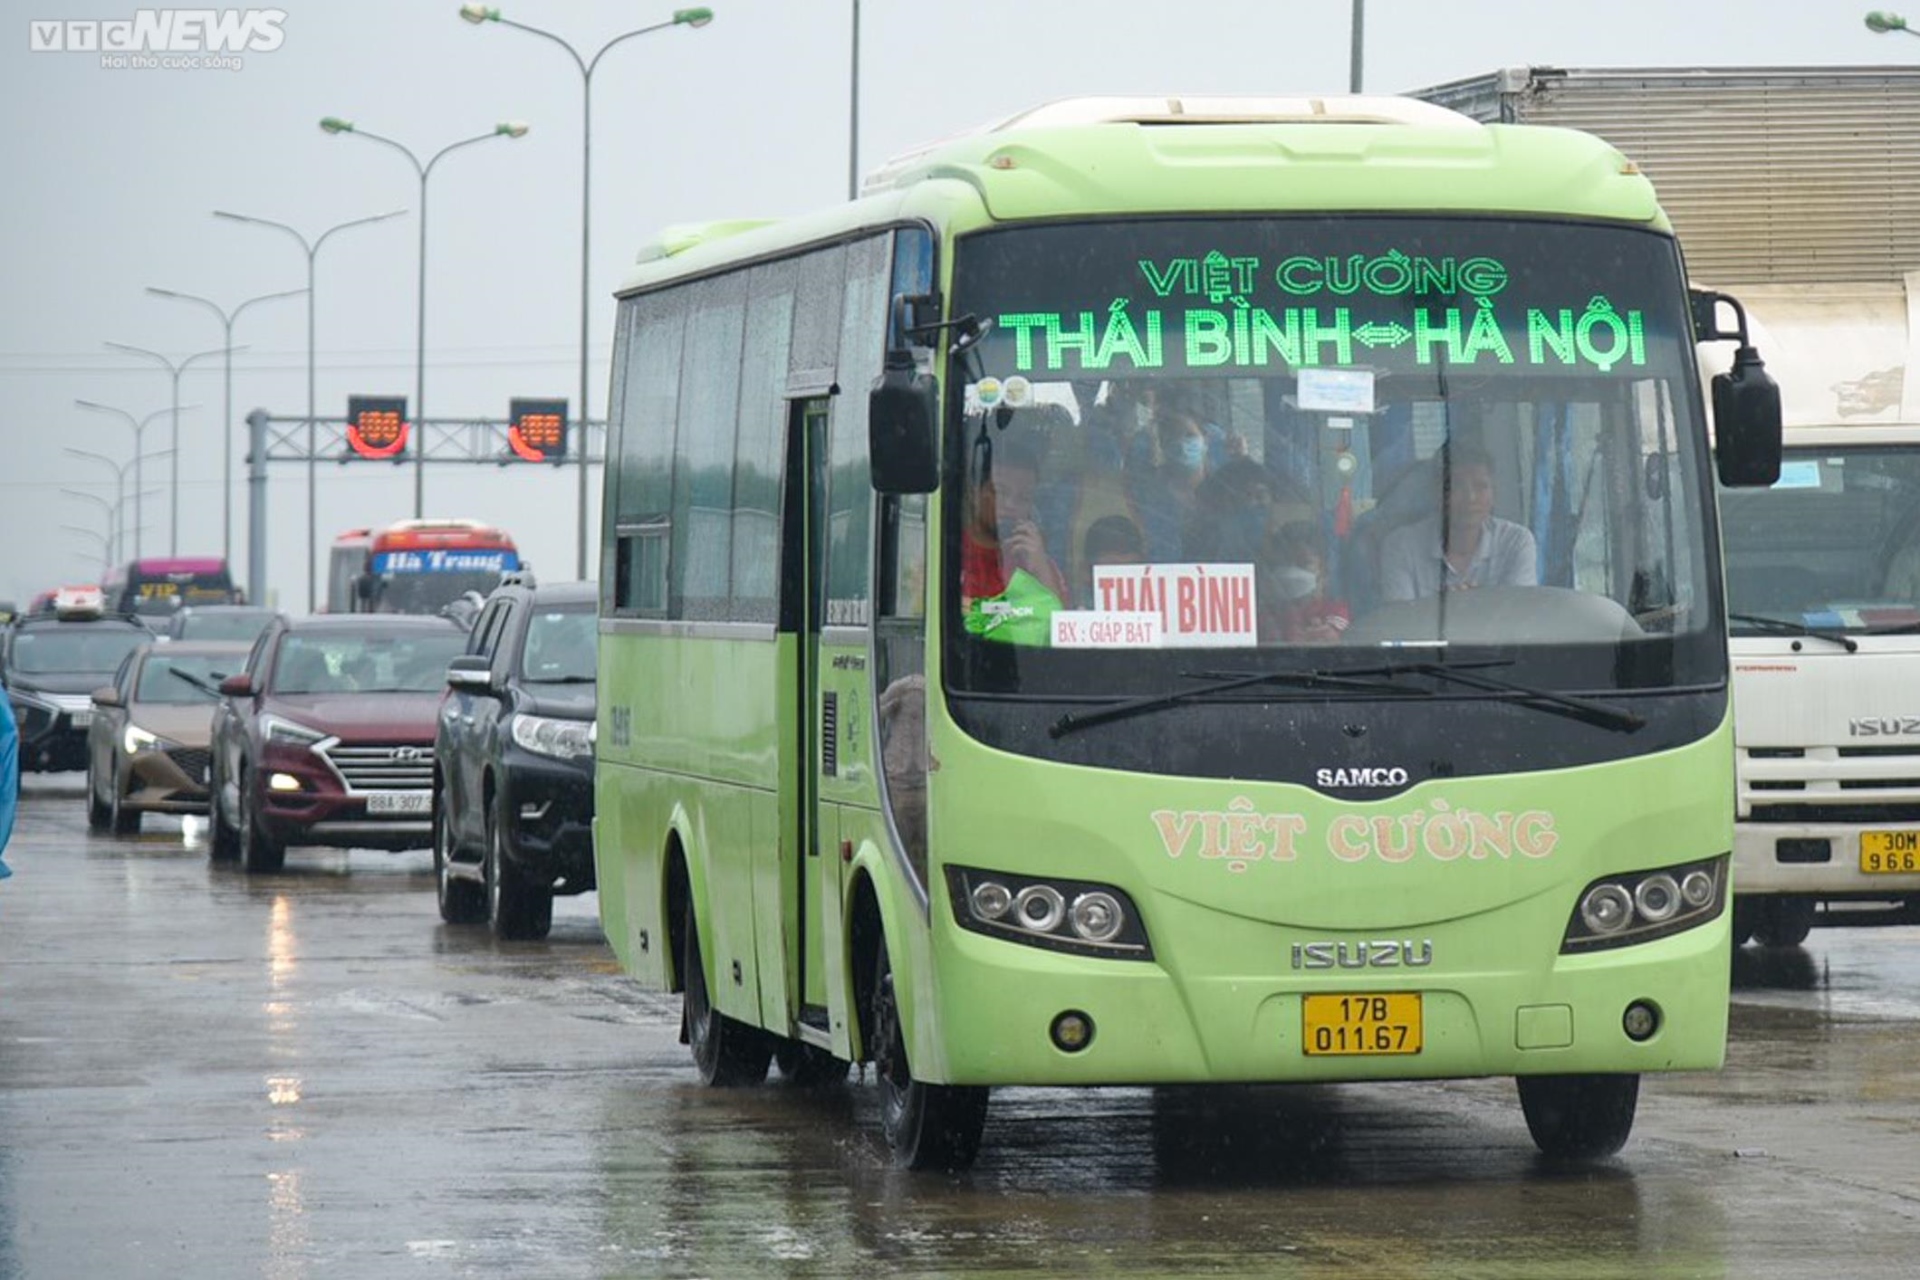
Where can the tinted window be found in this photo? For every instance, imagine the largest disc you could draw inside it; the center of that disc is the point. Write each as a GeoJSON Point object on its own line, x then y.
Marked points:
{"type": "Point", "coordinates": [415, 662]}
{"type": "Point", "coordinates": [561, 645]}
{"type": "Point", "coordinates": [169, 677]}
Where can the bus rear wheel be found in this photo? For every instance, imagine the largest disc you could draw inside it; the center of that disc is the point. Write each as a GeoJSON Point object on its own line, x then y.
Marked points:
{"type": "Point", "coordinates": [1579, 1117]}
{"type": "Point", "coordinates": [927, 1126]}
{"type": "Point", "coordinates": [728, 1053]}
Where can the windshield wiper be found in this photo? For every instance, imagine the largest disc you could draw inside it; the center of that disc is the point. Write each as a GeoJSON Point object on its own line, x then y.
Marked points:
{"type": "Point", "coordinates": [198, 682]}
{"type": "Point", "coordinates": [1350, 681]}
{"type": "Point", "coordinates": [560, 679]}
{"type": "Point", "coordinates": [1603, 714]}
{"type": "Point", "coordinates": [1783, 627]}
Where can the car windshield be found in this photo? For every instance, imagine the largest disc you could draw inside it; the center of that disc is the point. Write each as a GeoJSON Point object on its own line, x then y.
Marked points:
{"type": "Point", "coordinates": [1834, 544]}
{"type": "Point", "coordinates": [222, 624]}
{"type": "Point", "coordinates": [366, 662]}
{"type": "Point", "coordinates": [164, 677]}
{"type": "Point", "coordinates": [74, 649]}
{"type": "Point", "coordinates": [561, 645]}
{"type": "Point", "coordinates": [1312, 439]}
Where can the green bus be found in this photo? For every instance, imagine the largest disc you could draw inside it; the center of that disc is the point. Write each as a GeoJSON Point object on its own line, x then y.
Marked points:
{"type": "Point", "coordinates": [1179, 591]}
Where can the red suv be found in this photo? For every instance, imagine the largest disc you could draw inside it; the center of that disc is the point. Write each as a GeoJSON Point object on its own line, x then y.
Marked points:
{"type": "Point", "coordinates": [327, 737]}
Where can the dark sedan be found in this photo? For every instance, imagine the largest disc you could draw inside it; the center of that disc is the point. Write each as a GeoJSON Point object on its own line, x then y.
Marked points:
{"type": "Point", "coordinates": [327, 737]}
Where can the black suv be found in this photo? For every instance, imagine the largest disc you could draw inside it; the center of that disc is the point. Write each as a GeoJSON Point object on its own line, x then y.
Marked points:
{"type": "Point", "coordinates": [51, 665]}
{"type": "Point", "coordinates": [513, 760]}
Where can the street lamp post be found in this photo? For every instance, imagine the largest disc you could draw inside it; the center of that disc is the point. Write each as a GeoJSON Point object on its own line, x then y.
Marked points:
{"type": "Point", "coordinates": [695, 18]}
{"type": "Point", "coordinates": [1880, 22]}
{"type": "Point", "coordinates": [106, 539]}
{"type": "Point", "coordinates": [505, 129]}
{"type": "Point", "coordinates": [175, 368]}
{"type": "Point", "coordinates": [226, 416]}
{"type": "Point", "coordinates": [119, 470]}
{"type": "Point", "coordinates": [312, 249]}
{"type": "Point", "coordinates": [139, 426]}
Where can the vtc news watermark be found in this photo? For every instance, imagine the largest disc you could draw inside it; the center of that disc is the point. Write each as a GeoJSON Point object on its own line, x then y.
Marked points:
{"type": "Point", "coordinates": [164, 39]}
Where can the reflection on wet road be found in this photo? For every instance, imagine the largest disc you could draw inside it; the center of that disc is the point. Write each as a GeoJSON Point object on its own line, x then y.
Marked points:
{"type": "Point", "coordinates": [306, 1074]}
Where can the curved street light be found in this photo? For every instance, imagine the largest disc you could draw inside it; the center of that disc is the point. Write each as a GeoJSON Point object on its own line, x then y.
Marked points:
{"type": "Point", "coordinates": [505, 129]}
{"type": "Point", "coordinates": [119, 470]}
{"type": "Point", "coordinates": [139, 426]}
{"type": "Point", "coordinates": [175, 368]}
{"type": "Point", "coordinates": [226, 417]}
{"type": "Point", "coordinates": [257, 573]}
{"type": "Point", "coordinates": [693, 18]}
{"type": "Point", "coordinates": [1880, 22]}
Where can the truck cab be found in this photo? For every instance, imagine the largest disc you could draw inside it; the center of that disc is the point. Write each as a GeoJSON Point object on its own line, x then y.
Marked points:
{"type": "Point", "coordinates": [1823, 599]}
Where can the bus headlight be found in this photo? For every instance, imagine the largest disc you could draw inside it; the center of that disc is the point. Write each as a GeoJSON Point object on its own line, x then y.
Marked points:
{"type": "Point", "coordinates": [1062, 915]}
{"type": "Point", "coordinates": [1643, 905]}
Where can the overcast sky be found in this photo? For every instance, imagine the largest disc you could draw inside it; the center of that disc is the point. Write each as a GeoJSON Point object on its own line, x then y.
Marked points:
{"type": "Point", "coordinates": [115, 172]}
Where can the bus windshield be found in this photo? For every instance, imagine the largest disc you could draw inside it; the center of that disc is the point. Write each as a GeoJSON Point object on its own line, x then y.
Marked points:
{"type": "Point", "coordinates": [159, 588]}
{"type": "Point", "coordinates": [1324, 441]}
{"type": "Point", "coordinates": [1833, 545]}
{"type": "Point", "coordinates": [428, 592]}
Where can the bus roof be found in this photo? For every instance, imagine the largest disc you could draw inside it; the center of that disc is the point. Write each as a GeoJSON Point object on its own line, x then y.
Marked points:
{"type": "Point", "coordinates": [1157, 156]}
{"type": "Point", "coordinates": [440, 533]}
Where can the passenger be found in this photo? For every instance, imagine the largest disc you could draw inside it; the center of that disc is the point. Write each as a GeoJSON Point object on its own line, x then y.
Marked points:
{"type": "Point", "coordinates": [1308, 613]}
{"type": "Point", "coordinates": [9, 776]}
{"type": "Point", "coordinates": [1002, 534]}
{"type": "Point", "coordinates": [1111, 540]}
{"type": "Point", "coordinates": [1166, 497]}
{"type": "Point", "coordinates": [1466, 545]}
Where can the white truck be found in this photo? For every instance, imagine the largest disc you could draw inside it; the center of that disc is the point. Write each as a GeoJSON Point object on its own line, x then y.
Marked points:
{"type": "Point", "coordinates": [1797, 191]}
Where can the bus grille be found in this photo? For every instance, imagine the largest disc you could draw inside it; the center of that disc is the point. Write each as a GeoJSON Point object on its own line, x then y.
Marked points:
{"type": "Point", "coordinates": [403, 767]}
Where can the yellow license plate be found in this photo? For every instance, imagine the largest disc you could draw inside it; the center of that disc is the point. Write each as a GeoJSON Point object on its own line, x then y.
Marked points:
{"type": "Point", "coordinates": [1889, 853]}
{"type": "Point", "coordinates": [1378, 1023]}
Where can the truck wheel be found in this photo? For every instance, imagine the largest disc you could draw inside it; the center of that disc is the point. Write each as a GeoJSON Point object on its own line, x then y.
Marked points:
{"type": "Point", "coordinates": [927, 1126]}
{"type": "Point", "coordinates": [1579, 1117]}
{"type": "Point", "coordinates": [1785, 922]}
{"type": "Point", "coordinates": [727, 1052]}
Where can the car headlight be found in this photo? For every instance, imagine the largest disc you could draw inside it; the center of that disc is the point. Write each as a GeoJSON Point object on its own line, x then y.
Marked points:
{"type": "Point", "coordinates": [1062, 915]}
{"type": "Point", "coordinates": [288, 733]}
{"type": "Point", "coordinates": [135, 740]}
{"type": "Point", "coordinates": [1618, 911]}
{"type": "Point", "coordinates": [561, 739]}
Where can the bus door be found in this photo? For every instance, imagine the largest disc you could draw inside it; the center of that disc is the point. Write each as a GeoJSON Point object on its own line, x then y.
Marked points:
{"type": "Point", "coordinates": [810, 875]}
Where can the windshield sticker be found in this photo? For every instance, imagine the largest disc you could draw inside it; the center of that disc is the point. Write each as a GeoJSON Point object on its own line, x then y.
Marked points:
{"type": "Point", "coordinates": [1018, 392]}
{"type": "Point", "coordinates": [1198, 605]}
{"type": "Point", "coordinates": [1240, 311]}
{"type": "Point", "coordinates": [1799, 474]}
{"type": "Point", "coordinates": [1336, 390]}
{"type": "Point", "coordinates": [1096, 629]}
{"type": "Point", "coordinates": [1240, 835]}
{"type": "Point", "coordinates": [987, 391]}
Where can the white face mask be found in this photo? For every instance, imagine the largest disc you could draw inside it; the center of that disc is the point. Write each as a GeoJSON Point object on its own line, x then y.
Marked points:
{"type": "Point", "coordinates": [1295, 581]}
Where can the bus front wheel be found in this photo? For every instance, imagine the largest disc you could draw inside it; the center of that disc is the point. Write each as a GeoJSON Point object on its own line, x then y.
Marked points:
{"type": "Point", "coordinates": [927, 1126]}
{"type": "Point", "coordinates": [727, 1052]}
{"type": "Point", "coordinates": [1579, 1117]}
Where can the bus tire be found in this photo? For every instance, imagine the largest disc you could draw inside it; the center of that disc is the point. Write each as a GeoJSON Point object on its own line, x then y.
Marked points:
{"type": "Point", "coordinates": [806, 1066]}
{"type": "Point", "coordinates": [461, 901]}
{"type": "Point", "coordinates": [1579, 1117]}
{"type": "Point", "coordinates": [927, 1126]}
{"type": "Point", "coordinates": [728, 1053]}
{"type": "Point", "coordinates": [1785, 921]}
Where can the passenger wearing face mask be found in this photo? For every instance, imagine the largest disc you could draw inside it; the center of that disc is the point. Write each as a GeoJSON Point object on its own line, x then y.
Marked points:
{"type": "Point", "coordinates": [1166, 497]}
{"type": "Point", "coordinates": [1309, 613]}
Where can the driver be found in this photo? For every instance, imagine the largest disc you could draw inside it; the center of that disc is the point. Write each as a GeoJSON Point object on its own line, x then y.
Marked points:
{"type": "Point", "coordinates": [1466, 545]}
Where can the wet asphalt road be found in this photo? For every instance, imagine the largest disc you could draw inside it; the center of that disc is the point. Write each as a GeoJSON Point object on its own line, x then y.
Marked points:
{"type": "Point", "coordinates": [209, 1075]}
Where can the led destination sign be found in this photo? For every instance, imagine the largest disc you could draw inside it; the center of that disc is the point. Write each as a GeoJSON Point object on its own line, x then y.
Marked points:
{"type": "Point", "coordinates": [1219, 310]}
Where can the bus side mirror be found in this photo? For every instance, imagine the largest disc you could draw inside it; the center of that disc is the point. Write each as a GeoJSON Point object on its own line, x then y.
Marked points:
{"type": "Point", "coordinates": [903, 437]}
{"type": "Point", "coordinates": [1746, 423]}
{"type": "Point", "coordinates": [364, 586]}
